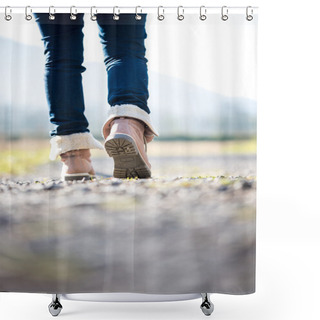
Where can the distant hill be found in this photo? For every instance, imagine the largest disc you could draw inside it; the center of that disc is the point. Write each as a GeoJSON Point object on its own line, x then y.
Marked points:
{"type": "Point", "coordinates": [178, 108]}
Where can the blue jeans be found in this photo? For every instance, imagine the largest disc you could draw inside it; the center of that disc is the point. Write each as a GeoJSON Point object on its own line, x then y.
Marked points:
{"type": "Point", "coordinates": [124, 58]}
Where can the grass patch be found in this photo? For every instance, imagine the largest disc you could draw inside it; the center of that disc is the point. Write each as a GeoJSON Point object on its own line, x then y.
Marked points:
{"type": "Point", "coordinates": [241, 146]}
{"type": "Point", "coordinates": [201, 148]}
{"type": "Point", "coordinates": [18, 161]}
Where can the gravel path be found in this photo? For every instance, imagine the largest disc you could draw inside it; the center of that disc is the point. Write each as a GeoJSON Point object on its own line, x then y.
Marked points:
{"type": "Point", "coordinates": [168, 234]}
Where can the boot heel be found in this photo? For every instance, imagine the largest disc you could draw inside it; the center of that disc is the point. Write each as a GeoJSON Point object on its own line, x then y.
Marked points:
{"type": "Point", "coordinates": [77, 176]}
{"type": "Point", "coordinates": [121, 144]}
{"type": "Point", "coordinates": [128, 162]}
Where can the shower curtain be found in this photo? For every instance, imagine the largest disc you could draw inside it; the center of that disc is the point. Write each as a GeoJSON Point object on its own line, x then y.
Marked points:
{"type": "Point", "coordinates": [128, 150]}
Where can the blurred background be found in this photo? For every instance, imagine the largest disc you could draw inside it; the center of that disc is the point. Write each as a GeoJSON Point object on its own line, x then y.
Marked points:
{"type": "Point", "coordinates": [202, 86]}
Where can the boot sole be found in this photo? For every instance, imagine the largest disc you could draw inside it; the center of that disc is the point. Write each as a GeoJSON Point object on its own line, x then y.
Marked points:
{"type": "Point", "coordinates": [77, 176]}
{"type": "Point", "coordinates": [128, 162]}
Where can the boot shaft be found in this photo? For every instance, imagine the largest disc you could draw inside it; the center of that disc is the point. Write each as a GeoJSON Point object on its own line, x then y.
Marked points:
{"type": "Point", "coordinates": [77, 161]}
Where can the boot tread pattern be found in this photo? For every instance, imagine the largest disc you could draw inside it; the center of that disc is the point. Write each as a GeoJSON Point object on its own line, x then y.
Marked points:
{"type": "Point", "coordinates": [128, 162]}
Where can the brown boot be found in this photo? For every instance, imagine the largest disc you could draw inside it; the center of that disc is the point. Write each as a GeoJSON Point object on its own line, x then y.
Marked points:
{"type": "Point", "coordinates": [76, 165]}
{"type": "Point", "coordinates": [126, 144]}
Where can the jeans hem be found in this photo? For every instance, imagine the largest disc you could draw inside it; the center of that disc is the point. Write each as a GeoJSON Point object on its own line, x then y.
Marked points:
{"type": "Point", "coordinates": [75, 141]}
{"type": "Point", "coordinates": [132, 111]}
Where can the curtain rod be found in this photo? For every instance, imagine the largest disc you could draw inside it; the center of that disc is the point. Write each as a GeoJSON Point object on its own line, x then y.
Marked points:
{"type": "Point", "coordinates": [122, 9]}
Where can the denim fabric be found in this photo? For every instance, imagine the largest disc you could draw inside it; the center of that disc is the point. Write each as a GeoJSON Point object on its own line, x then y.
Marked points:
{"type": "Point", "coordinates": [124, 58]}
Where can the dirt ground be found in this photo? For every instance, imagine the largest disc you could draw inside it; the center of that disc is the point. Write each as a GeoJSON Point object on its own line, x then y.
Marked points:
{"type": "Point", "coordinates": [190, 228]}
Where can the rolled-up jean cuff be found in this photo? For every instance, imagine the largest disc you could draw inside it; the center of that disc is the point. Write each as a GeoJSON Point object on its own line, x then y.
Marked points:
{"type": "Point", "coordinates": [74, 141]}
{"type": "Point", "coordinates": [131, 111]}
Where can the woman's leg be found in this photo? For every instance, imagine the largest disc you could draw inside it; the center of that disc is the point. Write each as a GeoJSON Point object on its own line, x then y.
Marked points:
{"type": "Point", "coordinates": [124, 52]}
{"type": "Point", "coordinates": [126, 64]}
{"type": "Point", "coordinates": [63, 49]}
{"type": "Point", "coordinates": [128, 127]}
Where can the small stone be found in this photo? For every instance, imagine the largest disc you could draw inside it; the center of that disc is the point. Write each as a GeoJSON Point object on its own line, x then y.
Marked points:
{"type": "Point", "coordinates": [52, 186]}
{"type": "Point", "coordinates": [37, 187]}
{"type": "Point", "coordinates": [246, 185]}
{"type": "Point", "coordinates": [85, 189]}
{"type": "Point", "coordinates": [4, 221]}
{"type": "Point", "coordinates": [223, 188]}
{"type": "Point", "coordinates": [116, 182]}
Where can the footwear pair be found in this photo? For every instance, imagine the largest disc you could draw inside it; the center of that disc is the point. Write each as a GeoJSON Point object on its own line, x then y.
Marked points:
{"type": "Point", "coordinates": [126, 142]}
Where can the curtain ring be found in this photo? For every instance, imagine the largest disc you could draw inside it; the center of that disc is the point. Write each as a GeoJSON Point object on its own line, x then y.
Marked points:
{"type": "Point", "coordinates": [224, 13]}
{"type": "Point", "coordinates": [138, 16]}
{"type": "Point", "coordinates": [180, 15]}
{"type": "Point", "coordinates": [160, 16]}
{"type": "Point", "coordinates": [116, 15]}
{"type": "Point", "coordinates": [73, 14]}
{"type": "Point", "coordinates": [203, 12]}
{"type": "Point", "coordinates": [249, 16]}
{"type": "Point", "coordinates": [93, 16]}
{"type": "Point", "coordinates": [52, 12]}
{"type": "Point", "coordinates": [7, 15]}
{"type": "Point", "coordinates": [28, 15]}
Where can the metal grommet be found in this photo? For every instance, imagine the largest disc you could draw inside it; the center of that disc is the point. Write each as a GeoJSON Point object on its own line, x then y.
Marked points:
{"type": "Point", "coordinates": [28, 15]}
{"type": "Point", "coordinates": [224, 13]}
{"type": "Point", "coordinates": [93, 16]}
{"type": "Point", "coordinates": [73, 13]}
{"type": "Point", "coordinates": [180, 15]}
{"type": "Point", "coordinates": [160, 16]}
{"type": "Point", "coordinates": [52, 12]}
{"type": "Point", "coordinates": [249, 16]}
{"type": "Point", "coordinates": [116, 15]}
{"type": "Point", "coordinates": [138, 17]}
{"type": "Point", "coordinates": [203, 12]}
{"type": "Point", "coordinates": [7, 14]}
